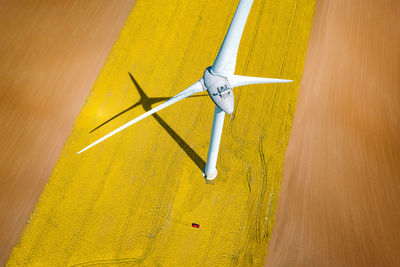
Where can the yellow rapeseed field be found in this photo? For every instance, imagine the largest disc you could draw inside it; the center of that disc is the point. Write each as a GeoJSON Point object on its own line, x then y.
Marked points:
{"type": "Point", "coordinates": [132, 199]}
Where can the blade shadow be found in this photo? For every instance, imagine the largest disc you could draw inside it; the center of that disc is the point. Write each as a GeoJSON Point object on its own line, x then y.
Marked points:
{"type": "Point", "coordinates": [147, 102]}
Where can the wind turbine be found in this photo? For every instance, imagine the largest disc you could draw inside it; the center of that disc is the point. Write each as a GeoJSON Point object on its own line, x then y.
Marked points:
{"type": "Point", "coordinates": [218, 80]}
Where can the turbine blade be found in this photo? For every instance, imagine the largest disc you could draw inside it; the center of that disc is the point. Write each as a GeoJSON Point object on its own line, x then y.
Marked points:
{"type": "Point", "coordinates": [225, 62]}
{"type": "Point", "coordinates": [193, 89]}
{"type": "Point", "coordinates": [237, 80]}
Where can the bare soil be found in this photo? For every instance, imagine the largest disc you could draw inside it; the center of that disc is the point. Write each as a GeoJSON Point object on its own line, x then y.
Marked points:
{"type": "Point", "coordinates": [50, 55]}
{"type": "Point", "coordinates": [340, 194]}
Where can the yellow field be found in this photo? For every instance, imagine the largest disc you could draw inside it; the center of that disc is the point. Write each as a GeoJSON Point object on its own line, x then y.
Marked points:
{"type": "Point", "coordinates": [132, 199]}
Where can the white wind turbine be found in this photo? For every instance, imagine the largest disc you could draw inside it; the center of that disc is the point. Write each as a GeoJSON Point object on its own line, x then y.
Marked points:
{"type": "Point", "coordinates": [218, 80]}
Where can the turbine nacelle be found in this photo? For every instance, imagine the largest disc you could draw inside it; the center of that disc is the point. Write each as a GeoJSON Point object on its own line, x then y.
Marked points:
{"type": "Point", "coordinates": [219, 89]}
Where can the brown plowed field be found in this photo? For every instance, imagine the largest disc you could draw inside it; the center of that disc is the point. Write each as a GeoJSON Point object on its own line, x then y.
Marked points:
{"type": "Point", "coordinates": [340, 192]}
{"type": "Point", "coordinates": [50, 55]}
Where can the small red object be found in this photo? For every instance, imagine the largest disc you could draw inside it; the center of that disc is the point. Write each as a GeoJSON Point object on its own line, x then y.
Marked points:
{"type": "Point", "coordinates": [195, 225]}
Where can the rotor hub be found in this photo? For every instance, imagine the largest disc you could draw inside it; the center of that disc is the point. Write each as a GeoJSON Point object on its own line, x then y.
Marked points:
{"type": "Point", "coordinates": [219, 89]}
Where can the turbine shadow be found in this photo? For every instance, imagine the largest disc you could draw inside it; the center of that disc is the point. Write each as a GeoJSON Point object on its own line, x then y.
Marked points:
{"type": "Point", "coordinates": [146, 102]}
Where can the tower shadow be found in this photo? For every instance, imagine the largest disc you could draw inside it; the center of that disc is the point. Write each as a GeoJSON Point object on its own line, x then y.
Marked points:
{"type": "Point", "coordinates": [146, 102]}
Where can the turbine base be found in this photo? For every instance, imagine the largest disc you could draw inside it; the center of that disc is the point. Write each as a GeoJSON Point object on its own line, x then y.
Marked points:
{"type": "Point", "coordinates": [210, 176]}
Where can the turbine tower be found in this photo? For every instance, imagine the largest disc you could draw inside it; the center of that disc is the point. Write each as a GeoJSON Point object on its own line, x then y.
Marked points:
{"type": "Point", "coordinates": [218, 80]}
